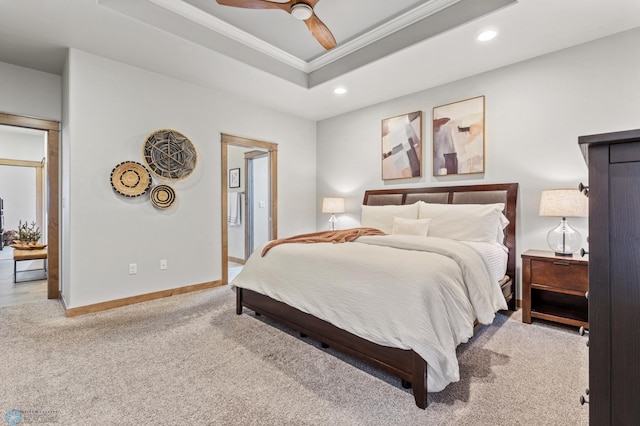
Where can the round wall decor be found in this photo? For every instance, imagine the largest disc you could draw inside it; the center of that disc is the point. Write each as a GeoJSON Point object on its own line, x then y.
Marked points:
{"type": "Point", "coordinates": [162, 196]}
{"type": "Point", "coordinates": [170, 154]}
{"type": "Point", "coordinates": [130, 179]}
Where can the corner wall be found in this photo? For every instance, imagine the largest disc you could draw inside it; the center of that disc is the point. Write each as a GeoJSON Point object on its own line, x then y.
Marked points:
{"type": "Point", "coordinates": [535, 111]}
{"type": "Point", "coordinates": [112, 108]}
{"type": "Point", "coordinates": [30, 93]}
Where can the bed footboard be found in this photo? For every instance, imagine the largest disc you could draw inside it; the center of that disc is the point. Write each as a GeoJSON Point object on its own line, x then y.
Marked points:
{"type": "Point", "coordinates": [404, 364]}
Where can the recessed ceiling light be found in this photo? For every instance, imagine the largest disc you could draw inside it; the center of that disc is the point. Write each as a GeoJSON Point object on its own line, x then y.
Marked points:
{"type": "Point", "coordinates": [487, 35]}
{"type": "Point", "coordinates": [339, 90]}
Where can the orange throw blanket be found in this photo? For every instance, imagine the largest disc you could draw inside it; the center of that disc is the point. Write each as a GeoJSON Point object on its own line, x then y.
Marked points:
{"type": "Point", "coordinates": [341, 236]}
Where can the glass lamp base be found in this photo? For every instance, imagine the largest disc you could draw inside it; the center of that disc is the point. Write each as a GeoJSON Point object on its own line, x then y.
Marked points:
{"type": "Point", "coordinates": [563, 239]}
{"type": "Point", "coordinates": [563, 254]}
{"type": "Point", "coordinates": [332, 221]}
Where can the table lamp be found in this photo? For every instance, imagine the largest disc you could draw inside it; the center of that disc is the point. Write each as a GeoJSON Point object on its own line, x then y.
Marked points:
{"type": "Point", "coordinates": [563, 203]}
{"type": "Point", "coordinates": [333, 206]}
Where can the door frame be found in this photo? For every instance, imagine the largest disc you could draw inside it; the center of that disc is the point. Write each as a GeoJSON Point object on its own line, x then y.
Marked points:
{"type": "Point", "coordinates": [248, 223]}
{"type": "Point", "coordinates": [272, 153]}
{"type": "Point", "coordinates": [53, 192]}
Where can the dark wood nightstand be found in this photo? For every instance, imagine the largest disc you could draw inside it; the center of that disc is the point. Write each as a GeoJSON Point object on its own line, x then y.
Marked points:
{"type": "Point", "coordinates": [554, 288]}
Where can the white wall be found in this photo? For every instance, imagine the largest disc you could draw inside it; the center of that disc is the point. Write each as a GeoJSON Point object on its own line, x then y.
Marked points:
{"type": "Point", "coordinates": [22, 144]}
{"type": "Point", "coordinates": [18, 183]}
{"type": "Point", "coordinates": [112, 108]}
{"type": "Point", "coordinates": [65, 160]}
{"type": "Point", "coordinates": [18, 190]}
{"type": "Point", "coordinates": [261, 223]}
{"type": "Point", "coordinates": [28, 92]}
{"type": "Point", "coordinates": [535, 111]}
{"type": "Point", "coordinates": [261, 202]}
{"type": "Point", "coordinates": [235, 160]}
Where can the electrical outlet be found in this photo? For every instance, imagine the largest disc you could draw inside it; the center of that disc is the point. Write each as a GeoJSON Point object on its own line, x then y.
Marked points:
{"type": "Point", "coordinates": [133, 268]}
{"type": "Point", "coordinates": [163, 264]}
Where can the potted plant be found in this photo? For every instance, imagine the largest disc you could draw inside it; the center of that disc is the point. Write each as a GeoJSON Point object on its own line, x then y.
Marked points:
{"type": "Point", "coordinates": [28, 233]}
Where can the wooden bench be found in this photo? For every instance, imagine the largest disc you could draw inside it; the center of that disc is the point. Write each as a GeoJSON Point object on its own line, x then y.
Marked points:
{"type": "Point", "coordinates": [20, 255]}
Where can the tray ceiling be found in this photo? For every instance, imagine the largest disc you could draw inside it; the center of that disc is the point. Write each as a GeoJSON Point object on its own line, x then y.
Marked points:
{"type": "Point", "coordinates": [270, 61]}
{"type": "Point", "coordinates": [278, 43]}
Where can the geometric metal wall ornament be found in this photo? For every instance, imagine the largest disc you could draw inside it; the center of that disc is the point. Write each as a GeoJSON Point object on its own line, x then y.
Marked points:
{"type": "Point", "coordinates": [162, 196]}
{"type": "Point", "coordinates": [130, 179]}
{"type": "Point", "coordinates": [170, 154]}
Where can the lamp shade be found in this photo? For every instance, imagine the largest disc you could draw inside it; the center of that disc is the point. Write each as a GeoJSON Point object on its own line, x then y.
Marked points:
{"type": "Point", "coordinates": [333, 205]}
{"type": "Point", "coordinates": [563, 203]}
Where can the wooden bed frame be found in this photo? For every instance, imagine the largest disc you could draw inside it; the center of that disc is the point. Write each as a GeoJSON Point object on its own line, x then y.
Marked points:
{"type": "Point", "coordinates": [405, 364]}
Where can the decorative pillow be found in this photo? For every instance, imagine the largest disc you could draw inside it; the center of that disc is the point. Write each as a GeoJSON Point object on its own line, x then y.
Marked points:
{"type": "Point", "coordinates": [465, 222]}
{"type": "Point", "coordinates": [418, 227]}
{"type": "Point", "coordinates": [381, 217]}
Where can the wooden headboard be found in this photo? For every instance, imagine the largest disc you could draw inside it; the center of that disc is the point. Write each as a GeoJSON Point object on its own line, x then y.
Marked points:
{"type": "Point", "coordinates": [506, 193]}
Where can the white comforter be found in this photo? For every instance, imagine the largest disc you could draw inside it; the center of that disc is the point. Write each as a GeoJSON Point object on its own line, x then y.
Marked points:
{"type": "Point", "coordinates": [420, 293]}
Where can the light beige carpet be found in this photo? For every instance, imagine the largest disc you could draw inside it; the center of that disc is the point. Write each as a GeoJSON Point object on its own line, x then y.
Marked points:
{"type": "Point", "coordinates": [189, 360]}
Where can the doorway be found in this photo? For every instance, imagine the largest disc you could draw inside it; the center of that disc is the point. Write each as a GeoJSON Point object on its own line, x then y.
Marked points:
{"type": "Point", "coordinates": [257, 196]}
{"type": "Point", "coordinates": [51, 202]}
{"type": "Point", "coordinates": [22, 188]}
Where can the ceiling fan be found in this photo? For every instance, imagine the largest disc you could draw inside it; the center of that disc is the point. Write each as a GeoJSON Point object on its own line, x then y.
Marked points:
{"type": "Point", "coordinates": [302, 10]}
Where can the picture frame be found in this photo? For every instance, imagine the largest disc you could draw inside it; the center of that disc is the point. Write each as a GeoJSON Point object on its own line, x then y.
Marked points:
{"type": "Point", "coordinates": [234, 178]}
{"type": "Point", "coordinates": [458, 137]}
{"type": "Point", "coordinates": [402, 146]}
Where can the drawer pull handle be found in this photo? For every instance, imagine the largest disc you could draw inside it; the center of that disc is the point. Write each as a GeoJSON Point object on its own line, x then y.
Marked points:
{"type": "Point", "coordinates": [584, 189]}
{"type": "Point", "coordinates": [562, 263]}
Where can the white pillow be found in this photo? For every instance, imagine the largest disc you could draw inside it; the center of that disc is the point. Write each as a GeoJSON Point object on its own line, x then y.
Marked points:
{"type": "Point", "coordinates": [464, 222]}
{"type": "Point", "coordinates": [418, 227]}
{"type": "Point", "coordinates": [503, 225]}
{"type": "Point", "coordinates": [381, 217]}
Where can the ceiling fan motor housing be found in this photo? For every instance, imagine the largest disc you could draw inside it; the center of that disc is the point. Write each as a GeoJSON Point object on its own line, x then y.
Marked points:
{"type": "Point", "coordinates": [301, 11]}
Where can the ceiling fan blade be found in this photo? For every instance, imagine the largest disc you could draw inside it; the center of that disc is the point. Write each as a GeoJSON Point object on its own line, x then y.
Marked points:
{"type": "Point", "coordinates": [318, 29]}
{"type": "Point", "coordinates": [257, 4]}
{"type": "Point", "coordinates": [321, 32]}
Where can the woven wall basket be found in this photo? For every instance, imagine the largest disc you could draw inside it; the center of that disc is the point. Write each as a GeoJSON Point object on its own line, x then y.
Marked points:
{"type": "Point", "coordinates": [162, 196]}
{"type": "Point", "coordinates": [130, 179]}
{"type": "Point", "coordinates": [170, 154]}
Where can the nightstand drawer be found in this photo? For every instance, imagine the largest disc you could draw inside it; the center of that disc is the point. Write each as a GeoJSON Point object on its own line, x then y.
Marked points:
{"type": "Point", "coordinates": [560, 274]}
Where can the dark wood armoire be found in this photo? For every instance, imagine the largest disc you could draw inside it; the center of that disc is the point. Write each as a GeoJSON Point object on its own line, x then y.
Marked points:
{"type": "Point", "coordinates": [614, 276]}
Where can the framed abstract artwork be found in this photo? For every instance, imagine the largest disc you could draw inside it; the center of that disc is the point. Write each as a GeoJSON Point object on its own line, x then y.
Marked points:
{"type": "Point", "coordinates": [234, 178]}
{"type": "Point", "coordinates": [458, 137]}
{"type": "Point", "coordinates": [402, 146]}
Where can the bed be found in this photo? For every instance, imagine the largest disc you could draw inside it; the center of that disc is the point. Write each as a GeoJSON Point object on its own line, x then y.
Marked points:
{"type": "Point", "coordinates": [385, 337]}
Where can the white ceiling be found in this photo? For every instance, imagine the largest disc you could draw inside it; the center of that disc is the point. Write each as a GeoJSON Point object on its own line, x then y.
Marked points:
{"type": "Point", "coordinates": [291, 52]}
{"type": "Point", "coordinates": [159, 35]}
{"type": "Point", "coordinates": [343, 18]}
